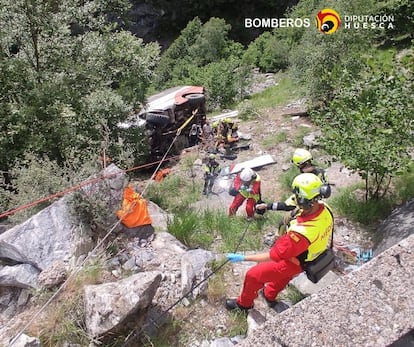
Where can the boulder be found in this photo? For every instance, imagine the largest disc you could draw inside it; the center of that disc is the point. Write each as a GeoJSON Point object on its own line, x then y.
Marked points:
{"type": "Point", "coordinates": [110, 308]}
{"type": "Point", "coordinates": [398, 226]}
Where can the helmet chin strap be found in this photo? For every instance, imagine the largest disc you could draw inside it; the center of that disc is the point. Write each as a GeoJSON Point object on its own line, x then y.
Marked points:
{"type": "Point", "coordinates": [305, 203]}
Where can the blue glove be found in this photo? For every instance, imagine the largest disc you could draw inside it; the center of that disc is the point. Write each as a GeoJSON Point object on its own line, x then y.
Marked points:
{"type": "Point", "coordinates": [234, 257]}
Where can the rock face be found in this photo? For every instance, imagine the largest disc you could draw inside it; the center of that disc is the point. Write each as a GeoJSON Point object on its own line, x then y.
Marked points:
{"type": "Point", "coordinates": [372, 306]}
{"type": "Point", "coordinates": [111, 308]}
{"type": "Point", "coordinates": [162, 21]}
{"type": "Point", "coordinates": [396, 227]}
{"type": "Point", "coordinates": [156, 268]}
{"type": "Point", "coordinates": [44, 238]}
{"type": "Point", "coordinates": [53, 235]}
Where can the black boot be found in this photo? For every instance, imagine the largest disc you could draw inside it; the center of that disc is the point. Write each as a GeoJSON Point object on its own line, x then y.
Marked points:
{"type": "Point", "coordinates": [270, 303]}
{"type": "Point", "coordinates": [205, 189]}
{"type": "Point", "coordinates": [232, 305]}
{"type": "Point", "coordinates": [278, 306]}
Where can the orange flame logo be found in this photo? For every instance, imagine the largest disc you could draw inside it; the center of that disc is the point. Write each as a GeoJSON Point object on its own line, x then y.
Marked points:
{"type": "Point", "coordinates": [328, 21]}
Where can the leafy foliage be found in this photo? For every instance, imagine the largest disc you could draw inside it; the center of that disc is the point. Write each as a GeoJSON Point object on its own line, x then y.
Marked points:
{"type": "Point", "coordinates": [322, 62]}
{"type": "Point", "coordinates": [268, 52]}
{"type": "Point", "coordinates": [403, 13]}
{"type": "Point", "coordinates": [204, 55]}
{"type": "Point", "coordinates": [67, 77]}
{"type": "Point", "coordinates": [350, 202]}
{"type": "Point", "coordinates": [368, 127]}
{"type": "Point", "coordinates": [405, 184]}
{"type": "Point", "coordinates": [36, 178]}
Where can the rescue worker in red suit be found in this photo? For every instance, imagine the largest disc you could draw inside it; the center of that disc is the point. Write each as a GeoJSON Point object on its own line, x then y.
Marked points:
{"type": "Point", "coordinates": [302, 159]}
{"type": "Point", "coordinates": [308, 235]}
{"type": "Point", "coordinates": [247, 185]}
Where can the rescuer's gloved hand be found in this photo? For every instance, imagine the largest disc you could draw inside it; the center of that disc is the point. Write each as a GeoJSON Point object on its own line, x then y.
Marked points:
{"type": "Point", "coordinates": [261, 206]}
{"type": "Point", "coordinates": [234, 257]}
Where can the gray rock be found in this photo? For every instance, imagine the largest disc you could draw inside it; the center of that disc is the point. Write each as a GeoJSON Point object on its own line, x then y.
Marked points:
{"type": "Point", "coordinates": [11, 255]}
{"type": "Point", "coordinates": [113, 307]}
{"type": "Point", "coordinates": [222, 342]}
{"type": "Point", "coordinates": [311, 140]}
{"type": "Point", "coordinates": [20, 276]}
{"type": "Point", "coordinates": [53, 275]}
{"type": "Point", "coordinates": [193, 268]}
{"type": "Point", "coordinates": [27, 341]}
{"type": "Point", "coordinates": [396, 227]}
{"type": "Point", "coordinates": [23, 297]}
{"type": "Point", "coordinates": [307, 287]}
{"type": "Point", "coordinates": [158, 216]}
{"type": "Point", "coordinates": [372, 306]}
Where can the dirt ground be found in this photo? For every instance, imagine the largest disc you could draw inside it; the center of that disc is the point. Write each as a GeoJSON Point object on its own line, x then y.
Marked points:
{"type": "Point", "coordinates": [208, 319]}
{"type": "Point", "coordinates": [277, 131]}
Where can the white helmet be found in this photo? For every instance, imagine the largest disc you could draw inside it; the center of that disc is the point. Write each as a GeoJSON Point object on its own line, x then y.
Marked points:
{"type": "Point", "coordinates": [247, 175]}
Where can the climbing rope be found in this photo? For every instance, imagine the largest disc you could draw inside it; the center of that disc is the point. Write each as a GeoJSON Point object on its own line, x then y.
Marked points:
{"type": "Point", "coordinates": [78, 186]}
{"type": "Point", "coordinates": [135, 334]}
{"type": "Point", "coordinates": [63, 285]}
{"type": "Point", "coordinates": [99, 243]}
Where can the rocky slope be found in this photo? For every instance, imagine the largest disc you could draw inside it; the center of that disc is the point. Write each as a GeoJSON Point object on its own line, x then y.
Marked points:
{"type": "Point", "coordinates": [200, 319]}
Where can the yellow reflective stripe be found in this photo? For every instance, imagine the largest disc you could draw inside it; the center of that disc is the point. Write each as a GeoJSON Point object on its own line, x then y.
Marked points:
{"type": "Point", "coordinates": [249, 195]}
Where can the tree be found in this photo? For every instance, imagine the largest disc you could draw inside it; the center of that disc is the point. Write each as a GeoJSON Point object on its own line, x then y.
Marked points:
{"type": "Point", "coordinates": [369, 127]}
{"type": "Point", "coordinates": [403, 13]}
{"type": "Point", "coordinates": [203, 54]}
{"type": "Point", "coordinates": [267, 52]}
{"type": "Point", "coordinates": [177, 57]}
{"type": "Point", "coordinates": [320, 62]}
{"type": "Point", "coordinates": [66, 73]}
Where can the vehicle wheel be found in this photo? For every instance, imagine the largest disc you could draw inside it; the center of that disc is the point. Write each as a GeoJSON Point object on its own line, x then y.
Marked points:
{"type": "Point", "coordinates": [195, 99]}
{"type": "Point", "coordinates": [157, 118]}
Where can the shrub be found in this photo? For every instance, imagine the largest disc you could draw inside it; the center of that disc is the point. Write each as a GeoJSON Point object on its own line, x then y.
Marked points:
{"type": "Point", "coordinates": [349, 203]}
{"type": "Point", "coordinates": [247, 110]}
{"type": "Point", "coordinates": [368, 127]}
{"type": "Point", "coordinates": [36, 178]}
{"type": "Point", "coordinates": [268, 53]}
{"type": "Point", "coordinates": [404, 184]}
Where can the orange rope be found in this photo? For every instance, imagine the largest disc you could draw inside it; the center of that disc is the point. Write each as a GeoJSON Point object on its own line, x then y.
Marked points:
{"type": "Point", "coordinates": [73, 188]}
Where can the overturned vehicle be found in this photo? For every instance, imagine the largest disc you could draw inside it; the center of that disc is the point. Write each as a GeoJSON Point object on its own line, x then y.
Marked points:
{"type": "Point", "coordinates": [165, 113]}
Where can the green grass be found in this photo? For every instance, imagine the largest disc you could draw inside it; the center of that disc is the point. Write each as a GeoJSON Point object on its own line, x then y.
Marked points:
{"type": "Point", "coordinates": [238, 324]}
{"type": "Point", "coordinates": [175, 192]}
{"type": "Point", "coordinates": [201, 229]}
{"type": "Point", "coordinates": [65, 323]}
{"type": "Point", "coordinates": [347, 203]}
{"type": "Point", "coordinates": [286, 178]}
{"type": "Point", "coordinates": [292, 294]}
{"type": "Point", "coordinates": [383, 59]}
{"type": "Point", "coordinates": [404, 185]}
{"type": "Point", "coordinates": [300, 133]}
{"type": "Point", "coordinates": [278, 95]}
{"type": "Point", "coordinates": [274, 139]}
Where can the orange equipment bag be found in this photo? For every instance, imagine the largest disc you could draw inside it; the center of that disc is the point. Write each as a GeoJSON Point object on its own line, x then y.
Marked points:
{"type": "Point", "coordinates": [134, 210]}
{"type": "Point", "coordinates": [161, 174]}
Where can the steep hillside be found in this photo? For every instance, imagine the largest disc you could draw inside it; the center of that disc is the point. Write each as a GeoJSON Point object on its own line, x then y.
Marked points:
{"type": "Point", "coordinates": [276, 131]}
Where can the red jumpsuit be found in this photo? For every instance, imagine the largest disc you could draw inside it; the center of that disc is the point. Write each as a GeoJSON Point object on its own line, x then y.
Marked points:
{"type": "Point", "coordinates": [276, 274]}
{"type": "Point", "coordinates": [252, 196]}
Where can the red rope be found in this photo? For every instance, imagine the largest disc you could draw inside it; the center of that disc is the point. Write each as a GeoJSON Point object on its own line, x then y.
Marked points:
{"type": "Point", "coordinates": [73, 188]}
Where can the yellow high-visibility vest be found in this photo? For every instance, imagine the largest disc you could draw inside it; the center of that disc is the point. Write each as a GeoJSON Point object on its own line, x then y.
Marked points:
{"type": "Point", "coordinates": [318, 231]}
